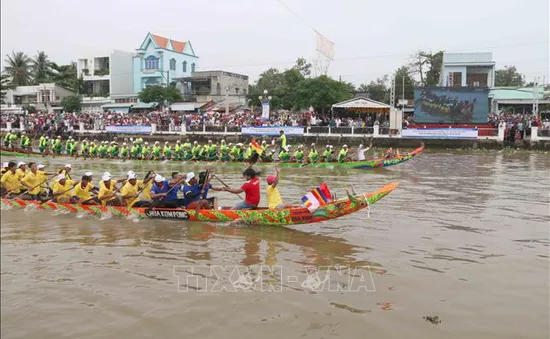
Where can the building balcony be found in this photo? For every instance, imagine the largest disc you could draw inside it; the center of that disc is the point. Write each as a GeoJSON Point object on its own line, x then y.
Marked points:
{"type": "Point", "coordinates": [96, 77]}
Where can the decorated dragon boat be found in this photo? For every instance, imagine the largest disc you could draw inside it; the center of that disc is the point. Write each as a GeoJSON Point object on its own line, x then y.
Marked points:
{"type": "Point", "coordinates": [364, 164]}
{"type": "Point", "coordinates": [260, 216]}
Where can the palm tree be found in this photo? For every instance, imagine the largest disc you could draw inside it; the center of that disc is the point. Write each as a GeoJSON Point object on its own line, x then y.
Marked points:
{"type": "Point", "coordinates": [66, 76]}
{"type": "Point", "coordinates": [19, 68]}
{"type": "Point", "coordinates": [41, 68]}
{"type": "Point", "coordinates": [5, 84]}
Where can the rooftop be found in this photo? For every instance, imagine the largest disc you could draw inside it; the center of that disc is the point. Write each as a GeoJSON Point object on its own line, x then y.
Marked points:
{"type": "Point", "coordinates": [468, 58]}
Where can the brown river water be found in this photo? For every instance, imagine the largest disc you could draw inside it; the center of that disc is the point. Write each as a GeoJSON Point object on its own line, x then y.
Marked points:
{"type": "Point", "coordinates": [464, 238]}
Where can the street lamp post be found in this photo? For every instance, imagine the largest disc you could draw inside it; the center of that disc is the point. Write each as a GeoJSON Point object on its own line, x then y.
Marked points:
{"type": "Point", "coordinates": [265, 99]}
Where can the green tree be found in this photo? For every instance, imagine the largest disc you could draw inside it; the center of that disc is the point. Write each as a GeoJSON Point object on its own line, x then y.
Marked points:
{"type": "Point", "coordinates": [377, 90]}
{"type": "Point", "coordinates": [509, 76]}
{"type": "Point", "coordinates": [427, 65]}
{"type": "Point", "coordinates": [72, 103]}
{"type": "Point", "coordinates": [152, 94]}
{"type": "Point", "coordinates": [41, 68]}
{"type": "Point", "coordinates": [5, 84]}
{"type": "Point", "coordinates": [30, 108]}
{"type": "Point", "coordinates": [303, 67]}
{"type": "Point", "coordinates": [404, 73]}
{"type": "Point", "coordinates": [66, 76]}
{"type": "Point", "coordinates": [19, 68]}
{"type": "Point", "coordinates": [322, 92]}
{"type": "Point", "coordinates": [172, 94]}
{"type": "Point", "coordinates": [160, 95]}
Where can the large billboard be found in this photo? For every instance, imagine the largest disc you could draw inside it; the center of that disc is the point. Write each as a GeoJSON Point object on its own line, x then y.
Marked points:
{"type": "Point", "coordinates": [451, 105]}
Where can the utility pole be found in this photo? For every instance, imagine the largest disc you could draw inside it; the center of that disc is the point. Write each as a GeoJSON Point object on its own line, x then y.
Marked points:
{"type": "Point", "coordinates": [226, 101]}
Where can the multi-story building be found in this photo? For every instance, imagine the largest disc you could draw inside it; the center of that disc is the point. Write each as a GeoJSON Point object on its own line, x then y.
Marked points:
{"type": "Point", "coordinates": [45, 97]}
{"type": "Point", "coordinates": [107, 75]}
{"type": "Point", "coordinates": [467, 70]}
{"type": "Point", "coordinates": [218, 86]}
{"type": "Point", "coordinates": [160, 60]}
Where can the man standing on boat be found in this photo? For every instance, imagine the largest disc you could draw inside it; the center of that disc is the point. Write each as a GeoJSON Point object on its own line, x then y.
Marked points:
{"type": "Point", "coordinates": [361, 152]}
{"type": "Point", "coordinates": [274, 200]}
{"type": "Point", "coordinates": [282, 140]}
{"type": "Point", "coordinates": [251, 189]}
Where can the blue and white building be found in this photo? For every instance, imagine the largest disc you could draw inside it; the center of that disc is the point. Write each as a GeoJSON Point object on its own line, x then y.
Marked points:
{"type": "Point", "coordinates": [160, 60]}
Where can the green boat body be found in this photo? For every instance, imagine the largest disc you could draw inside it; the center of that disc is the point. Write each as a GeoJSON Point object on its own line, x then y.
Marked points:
{"type": "Point", "coordinates": [365, 164]}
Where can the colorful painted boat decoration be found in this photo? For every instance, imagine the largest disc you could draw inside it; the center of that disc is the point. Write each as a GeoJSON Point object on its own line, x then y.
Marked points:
{"type": "Point", "coordinates": [262, 216]}
{"type": "Point", "coordinates": [365, 164]}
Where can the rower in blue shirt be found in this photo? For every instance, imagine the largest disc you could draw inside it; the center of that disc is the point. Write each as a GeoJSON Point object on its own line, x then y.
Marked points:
{"type": "Point", "coordinates": [165, 193]}
{"type": "Point", "coordinates": [195, 193]}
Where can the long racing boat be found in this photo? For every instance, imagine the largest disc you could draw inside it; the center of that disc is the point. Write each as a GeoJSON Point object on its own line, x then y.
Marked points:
{"type": "Point", "coordinates": [260, 216]}
{"type": "Point", "coordinates": [364, 164]}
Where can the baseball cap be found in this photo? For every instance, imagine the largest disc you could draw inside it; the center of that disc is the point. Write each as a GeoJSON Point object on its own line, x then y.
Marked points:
{"type": "Point", "coordinates": [4, 165]}
{"type": "Point", "coordinates": [88, 174]}
{"type": "Point", "coordinates": [132, 176]}
{"type": "Point", "coordinates": [21, 163]}
{"type": "Point", "coordinates": [68, 166]}
{"type": "Point", "coordinates": [106, 176]}
{"type": "Point", "coordinates": [270, 179]}
{"type": "Point", "coordinates": [40, 166]}
{"type": "Point", "coordinates": [189, 176]}
{"type": "Point", "coordinates": [60, 177]}
{"type": "Point", "coordinates": [159, 178]}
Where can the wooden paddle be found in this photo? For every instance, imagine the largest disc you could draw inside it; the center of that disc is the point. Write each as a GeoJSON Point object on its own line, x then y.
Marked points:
{"type": "Point", "coordinates": [204, 184]}
{"type": "Point", "coordinates": [170, 190]}
{"type": "Point", "coordinates": [223, 183]}
{"type": "Point", "coordinates": [62, 192]}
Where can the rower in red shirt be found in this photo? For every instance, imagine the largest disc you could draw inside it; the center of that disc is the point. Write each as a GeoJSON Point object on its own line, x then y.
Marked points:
{"type": "Point", "coordinates": [251, 189]}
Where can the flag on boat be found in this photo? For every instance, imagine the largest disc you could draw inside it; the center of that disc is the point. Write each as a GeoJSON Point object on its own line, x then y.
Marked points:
{"type": "Point", "coordinates": [256, 147]}
{"type": "Point", "coordinates": [316, 198]}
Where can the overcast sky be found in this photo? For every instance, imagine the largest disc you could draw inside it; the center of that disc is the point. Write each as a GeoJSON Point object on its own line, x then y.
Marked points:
{"type": "Point", "coordinates": [372, 38]}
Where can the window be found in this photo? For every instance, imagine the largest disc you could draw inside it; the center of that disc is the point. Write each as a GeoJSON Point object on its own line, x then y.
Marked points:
{"type": "Point", "coordinates": [151, 62]}
{"type": "Point", "coordinates": [192, 67]}
{"type": "Point", "coordinates": [237, 90]}
{"type": "Point", "coordinates": [172, 64]}
{"type": "Point", "coordinates": [455, 79]}
{"type": "Point", "coordinates": [184, 65]}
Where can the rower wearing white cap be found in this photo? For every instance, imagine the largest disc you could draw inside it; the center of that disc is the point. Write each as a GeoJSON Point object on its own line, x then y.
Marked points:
{"type": "Point", "coordinates": [313, 156]}
{"type": "Point", "coordinates": [327, 154]}
{"type": "Point", "coordinates": [130, 190]}
{"type": "Point", "coordinates": [61, 190]}
{"type": "Point", "coordinates": [65, 170]}
{"type": "Point", "coordinates": [21, 172]}
{"type": "Point", "coordinates": [284, 155]}
{"type": "Point", "coordinates": [299, 154]}
{"type": "Point", "coordinates": [195, 194]}
{"type": "Point", "coordinates": [107, 191]}
{"type": "Point", "coordinates": [43, 178]}
{"type": "Point", "coordinates": [343, 154]}
{"type": "Point", "coordinates": [4, 167]}
{"type": "Point", "coordinates": [165, 193]}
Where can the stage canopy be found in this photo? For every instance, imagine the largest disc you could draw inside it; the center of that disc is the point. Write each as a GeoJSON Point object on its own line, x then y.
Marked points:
{"type": "Point", "coordinates": [362, 105]}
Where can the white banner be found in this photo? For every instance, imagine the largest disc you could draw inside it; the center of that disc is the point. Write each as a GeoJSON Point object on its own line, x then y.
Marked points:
{"type": "Point", "coordinates": [272, 130]}
{"type": "Point", "coordinates": [130, 129]}
{"type": "Point", "coordinates": [265, 110]}
{"type": "Point", "coordinates": [440, 133]}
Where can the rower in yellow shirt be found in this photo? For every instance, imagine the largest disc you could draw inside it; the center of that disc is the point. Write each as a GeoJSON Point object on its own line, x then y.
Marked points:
{"type": "Point", "coordinates": [130, 191]}
{"type": "Point", "coordinates": [274, 200]}
{"type": "Point", "coordinates": [21, 172]}
{"type": "Point", "coordinates": [10, 181]}
{"type": "Point", "coordinates": [43, 178]}
{"type": "Point", "coordinates": [32, 181]}
{"type": "Point", "coordinates": [82, 192]}
{"type": "Point", "coordinates": [107, 191]}
{"type": "Point", "coordinates": [61, 190]}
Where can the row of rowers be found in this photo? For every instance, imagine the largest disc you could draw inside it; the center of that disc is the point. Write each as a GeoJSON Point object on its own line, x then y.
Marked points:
{"type": "Point", "coordinates": [154, 190]}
